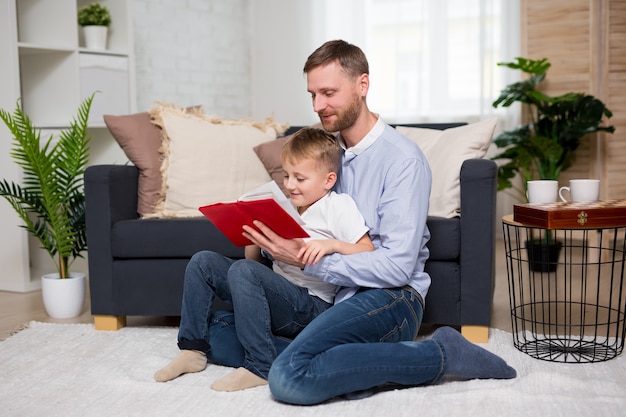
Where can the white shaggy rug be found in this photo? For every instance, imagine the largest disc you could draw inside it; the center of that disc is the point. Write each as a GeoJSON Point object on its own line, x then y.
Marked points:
{"type": "Point", "coordinates": [70, 370]}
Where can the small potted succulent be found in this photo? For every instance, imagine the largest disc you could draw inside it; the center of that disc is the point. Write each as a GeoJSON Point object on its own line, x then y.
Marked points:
{"type": "Point", "coordinates": [95, 20]}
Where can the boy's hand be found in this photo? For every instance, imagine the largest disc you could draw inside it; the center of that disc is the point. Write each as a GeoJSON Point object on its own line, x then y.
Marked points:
{"type": "Point", "coordinates": [314, 250]}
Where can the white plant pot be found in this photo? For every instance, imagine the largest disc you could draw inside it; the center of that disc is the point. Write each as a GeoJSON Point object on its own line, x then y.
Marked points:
{"type": "Point", "coordinates": [95, 37]}
{"type": "Point", "coordinates": [63, 298]}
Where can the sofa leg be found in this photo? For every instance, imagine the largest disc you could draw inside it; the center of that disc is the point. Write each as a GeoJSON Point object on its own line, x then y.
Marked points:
{"type": "Point", "coordinates": [475, 334]}
{"type": "Point", "coordinates": [109, 322]}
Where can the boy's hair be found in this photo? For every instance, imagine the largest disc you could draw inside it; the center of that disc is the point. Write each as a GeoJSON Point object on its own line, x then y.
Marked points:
{"type": "Point", "coordinates": [350, 57]}
{"type": "Point", "coordinates": [316, 144]}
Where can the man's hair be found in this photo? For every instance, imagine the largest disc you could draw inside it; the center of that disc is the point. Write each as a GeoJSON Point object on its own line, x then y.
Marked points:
{"type": "Point", "coordinates": [316, 144]}
{"type": "Point", "coordinates": [350, 57]}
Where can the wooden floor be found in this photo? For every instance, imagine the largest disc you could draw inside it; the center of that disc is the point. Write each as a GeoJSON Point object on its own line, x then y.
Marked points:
{"type": "Point", "coordinates": [18, 309]}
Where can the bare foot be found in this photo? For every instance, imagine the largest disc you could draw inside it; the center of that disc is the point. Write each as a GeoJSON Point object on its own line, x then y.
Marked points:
{"type": "Point", "coordinates": [187, 361]}
{"type": "Point", "coordinates": [238, 380]}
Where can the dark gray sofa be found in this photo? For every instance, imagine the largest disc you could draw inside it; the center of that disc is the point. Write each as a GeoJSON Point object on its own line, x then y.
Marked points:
{"type": "Point", "coordinates": [136, 266]}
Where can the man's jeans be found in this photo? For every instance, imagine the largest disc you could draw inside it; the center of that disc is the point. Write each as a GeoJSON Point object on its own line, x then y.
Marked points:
{"type": "Point", "coordinates": [360, 343]}
{"type": "Point", "coordinates": [267, 308]}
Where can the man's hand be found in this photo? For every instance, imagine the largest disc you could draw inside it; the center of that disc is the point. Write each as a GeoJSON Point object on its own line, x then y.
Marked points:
{"type": "Point", "coordinates": [285, 250]}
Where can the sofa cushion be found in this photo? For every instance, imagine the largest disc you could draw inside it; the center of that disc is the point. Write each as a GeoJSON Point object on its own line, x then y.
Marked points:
{"type": "Point", "coordinates": [140, 140]}
{"type": "Point", "coordinates": [148, 238]}
{"type": "Point", "coordinates": [207, 159]}
{"type": "Point", "coordinates": [445, 151]}
{"type": "Point", "coordinates": [168, 238]}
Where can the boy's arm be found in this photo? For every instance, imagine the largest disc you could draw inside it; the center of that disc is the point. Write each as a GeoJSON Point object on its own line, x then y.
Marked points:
{"type": "Point", "coordinates": [314, 250]}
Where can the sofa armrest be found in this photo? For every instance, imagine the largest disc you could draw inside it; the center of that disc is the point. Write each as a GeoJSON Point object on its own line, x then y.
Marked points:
{"type": "Point", "coordinates": [112, 191]}
{"type": "Point", "coordinates": [478, 212]}
{"type": "Point", "coordinates": [110, 196]}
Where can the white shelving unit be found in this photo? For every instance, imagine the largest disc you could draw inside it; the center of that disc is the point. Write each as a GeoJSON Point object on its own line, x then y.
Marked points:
{"type": "Point", "coordinates": [51, 71]}
{"type": "Point", "coordinates": [54, 64]}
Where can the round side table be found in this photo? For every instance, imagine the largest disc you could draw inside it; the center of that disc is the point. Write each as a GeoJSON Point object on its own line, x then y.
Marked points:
{"type": "Point", "coordinates": [568, 305]}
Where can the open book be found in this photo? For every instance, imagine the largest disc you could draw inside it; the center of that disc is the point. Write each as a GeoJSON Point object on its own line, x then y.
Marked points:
{"type": "Point", "coordinates": [267, 204]}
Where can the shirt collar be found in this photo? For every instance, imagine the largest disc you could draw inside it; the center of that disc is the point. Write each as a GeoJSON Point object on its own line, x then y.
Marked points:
{"type": "Point", "coordinates": [366, 142]}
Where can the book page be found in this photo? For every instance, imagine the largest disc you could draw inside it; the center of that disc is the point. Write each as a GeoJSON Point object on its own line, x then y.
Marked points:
{"type": "Point", "coordinates": [271, 190]}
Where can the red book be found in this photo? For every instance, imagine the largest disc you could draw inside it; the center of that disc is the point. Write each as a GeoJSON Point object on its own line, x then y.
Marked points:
{"type": "Point", "coordinates": [267, 204]}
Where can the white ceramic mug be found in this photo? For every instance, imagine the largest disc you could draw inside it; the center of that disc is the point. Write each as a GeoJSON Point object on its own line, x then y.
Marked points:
{"type": "Point", "coordinates": [542, 191]}
{"type": "Point", "coordinates": [582, 190]}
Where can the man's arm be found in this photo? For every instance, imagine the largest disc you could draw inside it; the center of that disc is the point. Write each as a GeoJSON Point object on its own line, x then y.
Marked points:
{"type": "Point", "coordinates": [397, 212]}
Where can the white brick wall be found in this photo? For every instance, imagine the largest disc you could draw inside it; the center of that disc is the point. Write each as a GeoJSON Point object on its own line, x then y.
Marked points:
{"type": "Point", "coordinates": [192, 52]}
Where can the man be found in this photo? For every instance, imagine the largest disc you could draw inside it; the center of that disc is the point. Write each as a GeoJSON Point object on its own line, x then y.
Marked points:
{"type": "Point", "coordinates": [346, 349]}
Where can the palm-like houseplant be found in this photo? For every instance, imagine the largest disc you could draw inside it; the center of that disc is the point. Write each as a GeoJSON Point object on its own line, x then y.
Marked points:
{"type": "Point", "coordinates": [50, 201]}
{"type": "Point", "coordinates": [544, 146]}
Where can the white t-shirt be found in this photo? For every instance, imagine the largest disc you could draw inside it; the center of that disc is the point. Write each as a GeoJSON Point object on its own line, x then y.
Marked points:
{"type": "Point", "coordinates": [334, 216]}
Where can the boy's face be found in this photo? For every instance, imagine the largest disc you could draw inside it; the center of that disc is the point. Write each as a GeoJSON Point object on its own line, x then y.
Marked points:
{"type": "Point", "coordinates": [337, 99]}
{"type": "Point", "coordinates": [306, 182]}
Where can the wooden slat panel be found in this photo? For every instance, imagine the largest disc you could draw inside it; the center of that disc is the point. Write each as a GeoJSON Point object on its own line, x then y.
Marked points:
{"type": "Point", "coordinates": [615, 145]}
{"type": "Point", "coordinates": [560, 31]}
{"type": "Point", "coordinates": [585, 40]}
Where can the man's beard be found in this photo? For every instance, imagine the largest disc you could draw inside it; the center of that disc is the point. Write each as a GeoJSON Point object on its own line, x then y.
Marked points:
{"type": "Point", "coordinates": [344, 118]}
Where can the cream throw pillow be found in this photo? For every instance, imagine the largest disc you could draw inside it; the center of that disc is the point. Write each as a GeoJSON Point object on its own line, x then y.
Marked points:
{"type": "Point", "coordinates": [207, 159]}
{"type": "Point", "coordinates": [445, 151]}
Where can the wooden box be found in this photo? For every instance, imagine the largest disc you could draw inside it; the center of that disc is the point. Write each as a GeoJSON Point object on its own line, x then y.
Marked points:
{"type": "Point", "coordinates": [586, 215]}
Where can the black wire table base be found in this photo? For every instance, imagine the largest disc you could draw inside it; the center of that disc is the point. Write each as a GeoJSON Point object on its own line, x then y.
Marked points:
{"type": "Point", "coordinates": [566, 350]}
{"type": "Point", "coordinates": [567, 304]}
{"type": "Point", "coordinates": [582, 333]}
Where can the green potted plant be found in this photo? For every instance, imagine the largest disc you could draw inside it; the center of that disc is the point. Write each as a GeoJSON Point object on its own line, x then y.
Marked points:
{"type": "Point", "coordinates": [95, 20]}
{"type": "Point", "coordinates": [50, 199]}
{"type": "Point", "coordinates": [543, 146]}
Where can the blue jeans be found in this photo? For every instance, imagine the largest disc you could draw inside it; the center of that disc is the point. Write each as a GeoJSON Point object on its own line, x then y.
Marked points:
{"type": "Point", "coordinates": [363, 342]}
{"type": "Point", "coordinates": [267, 310]}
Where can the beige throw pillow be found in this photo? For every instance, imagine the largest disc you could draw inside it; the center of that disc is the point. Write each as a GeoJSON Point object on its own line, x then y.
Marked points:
{"type": "Point", "coordinates": [445, 151]}
{"type": "Point", "coordinates": [207, 159]}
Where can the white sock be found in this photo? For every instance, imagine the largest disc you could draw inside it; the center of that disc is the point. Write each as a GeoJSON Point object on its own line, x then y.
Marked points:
{"type": "Point", "coordinates": [187, 361]}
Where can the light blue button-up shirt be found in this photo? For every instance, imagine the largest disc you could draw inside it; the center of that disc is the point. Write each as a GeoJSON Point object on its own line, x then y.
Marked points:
{"type": "Point", "coordinates": [390, 180]}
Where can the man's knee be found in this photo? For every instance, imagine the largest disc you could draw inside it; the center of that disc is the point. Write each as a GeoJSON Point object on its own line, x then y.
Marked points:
{"type": "Point", "coordinates": [287, 384]}
{"type": "Point", "coordinates": [279, 381]}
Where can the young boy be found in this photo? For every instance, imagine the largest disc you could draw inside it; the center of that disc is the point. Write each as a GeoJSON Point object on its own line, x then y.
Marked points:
{"type": "Point", "coordinates": [311, 161]}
